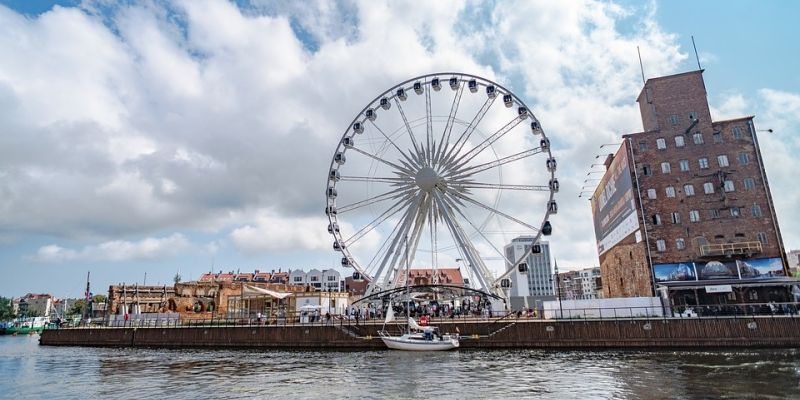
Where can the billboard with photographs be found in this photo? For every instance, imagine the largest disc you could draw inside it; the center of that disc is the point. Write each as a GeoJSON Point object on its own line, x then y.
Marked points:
{"type": "Point", "coordinates": [716, 270]}
{"type": "Point", "coordinates": [761, 268]}
{"type": "Point", "coordinates": [754, 268]}
{"type": "Point", "coordinates": [613, 204]}
{"type": "Point", "coordinates": [675, 272]}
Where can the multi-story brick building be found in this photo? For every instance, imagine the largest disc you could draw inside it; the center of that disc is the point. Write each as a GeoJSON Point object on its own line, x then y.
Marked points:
{"type": "Point", "coordinates": [684, 206]}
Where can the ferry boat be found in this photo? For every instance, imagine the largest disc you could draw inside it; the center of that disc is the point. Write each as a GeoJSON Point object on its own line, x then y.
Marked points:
{"type": "Point", "coordinates": [26, 325]}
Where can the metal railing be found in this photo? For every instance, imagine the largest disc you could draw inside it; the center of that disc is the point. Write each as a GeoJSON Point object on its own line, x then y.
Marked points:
{"type": "Point", "coordinates": [749, 310]}
{"type": "Point", "coordinates": [720, 249]}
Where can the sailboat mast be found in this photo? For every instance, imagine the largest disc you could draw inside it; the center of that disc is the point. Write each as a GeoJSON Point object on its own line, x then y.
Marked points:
{"type": "Point", "coordinates": [408, 290]}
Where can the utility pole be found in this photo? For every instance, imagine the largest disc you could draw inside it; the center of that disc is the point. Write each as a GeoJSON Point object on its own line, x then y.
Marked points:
{"type": "Point", "coordinates": [558, 290]}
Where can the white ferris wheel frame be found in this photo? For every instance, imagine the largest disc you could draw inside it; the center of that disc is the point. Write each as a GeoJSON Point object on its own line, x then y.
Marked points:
{"type": "Point", "coordinates": [430, 201]}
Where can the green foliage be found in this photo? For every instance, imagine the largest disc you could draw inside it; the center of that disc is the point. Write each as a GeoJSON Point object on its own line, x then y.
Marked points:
{"type": "Point", "coordinates": [177, 278]}
{"type": "Point", "coordinates": [76, 308]}
{"type": "Point", "coordinates": [99, 298]}
{"type": "Point", "coordinates": [6, 310]}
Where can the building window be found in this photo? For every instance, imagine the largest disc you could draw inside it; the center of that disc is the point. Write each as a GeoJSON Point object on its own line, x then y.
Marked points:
{"type": "Point", "coordinates": [661, 144]}
{"type": "Point", "coordinates": [651, 193]}
{"type": "Point", "coordinates": [698, 138]}
{"type": "Point", "coordinates": [762, 237]}
{"type": "Point", "coordinates": [694, 216]}
{"type": "Point", "coordinates": [670, 191]}
{"type": "Point", "coordinates": [722, 160]}
{"type": "Point", "coordinates": [642, 146]}
{"type": "Point", "coordinates": [298, 278]}
{"type": "Point", "coordinates": [737, 132]}
{"type": "Point", "coordinates": [661, 245]}
{"type": "Point", "coordinates": [646, 170]}
{"type": "Point", "coordinates": [708, 188]}
{"type": "Point", "coordinates": [656, 219]}
{"type": "Point", "coordinates": [680, 244]}
{"type": "Point", "coordinates": [729, 186]}
{"type": "Point", "coordinates": [684, 165]}
{"type": "Point", "coordinates": [714, 213]}
{"type": "Point", "coordinates": [665, 168]}
{"type": "Point", "coordinates": [314, 278]}
{"type": "Point", "coordinates": [749, 184]}
{"type": "Point", "coordinates": [676, 218]}
{"type": "Point", "coordinates": [756, 210]}
{"type": "Point", "coordinates": [679, 141]}
{"type": "Point", "coordinates": [703, 163]}
{"type": "Point", "coordinates": [673, 119]}
{"type": "Point", "coordinates": [735, 212]}
{"type": "Point", "coordinates": [717, 137]}
{"type": "Point", "coordinates": [744, 158]}
{"type": "Point", "coordinates": [688, 190]}
{"type": "Point", "coordinates": [331, 277]}
{"type": "Point", "coordinates": [692, 116]}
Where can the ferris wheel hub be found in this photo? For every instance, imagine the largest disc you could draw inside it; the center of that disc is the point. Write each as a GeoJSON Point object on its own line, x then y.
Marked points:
{"type": "Point", "coordinates": [427, 179]}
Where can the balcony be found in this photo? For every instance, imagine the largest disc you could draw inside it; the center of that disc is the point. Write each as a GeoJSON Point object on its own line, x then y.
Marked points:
{"type": "Point", "coordinates": [729, 249]}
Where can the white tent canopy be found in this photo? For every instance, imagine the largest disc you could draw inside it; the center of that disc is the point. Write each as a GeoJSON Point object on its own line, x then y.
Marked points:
{"type": "Point", "coordinates": [252, 291]}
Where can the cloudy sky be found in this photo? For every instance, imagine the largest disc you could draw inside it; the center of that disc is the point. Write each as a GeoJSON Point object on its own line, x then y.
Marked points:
{"type": "Point", "coordinates": [172, 136]}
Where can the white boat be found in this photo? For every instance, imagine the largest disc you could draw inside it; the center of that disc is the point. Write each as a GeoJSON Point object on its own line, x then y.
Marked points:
{"type": "Point", "coordinates": [418, 338]}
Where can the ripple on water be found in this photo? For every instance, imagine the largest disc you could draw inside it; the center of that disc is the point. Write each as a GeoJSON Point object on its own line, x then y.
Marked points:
{"type": "Point", "coordinates": [30, 371]}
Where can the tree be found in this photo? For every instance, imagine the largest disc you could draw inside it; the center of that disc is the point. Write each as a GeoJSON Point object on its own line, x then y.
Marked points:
{"type": "Point", "coordinates": [177, 278]}
{"type": "Point", "coordinates": [99, 298]}
{"type": "Point", "coordinates": [76, 308]}
{"type": "Point", "coordinates": [6, 309]}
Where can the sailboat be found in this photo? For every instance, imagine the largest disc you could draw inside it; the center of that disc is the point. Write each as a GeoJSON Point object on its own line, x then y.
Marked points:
{"type": "Point", "coordinates": [418, 338]}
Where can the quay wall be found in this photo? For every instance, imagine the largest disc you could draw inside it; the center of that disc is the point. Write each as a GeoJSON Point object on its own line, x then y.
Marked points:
{"type": "Point", "coordinates": [622, 333]}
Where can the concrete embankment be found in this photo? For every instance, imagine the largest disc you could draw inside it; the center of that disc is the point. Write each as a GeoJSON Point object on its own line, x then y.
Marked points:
{"type": "Point", "coordinates": [504, 333]}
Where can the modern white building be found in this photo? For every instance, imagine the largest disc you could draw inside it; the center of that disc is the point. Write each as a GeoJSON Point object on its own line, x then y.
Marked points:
{"type": "Point", "coordinates": [538, 279]}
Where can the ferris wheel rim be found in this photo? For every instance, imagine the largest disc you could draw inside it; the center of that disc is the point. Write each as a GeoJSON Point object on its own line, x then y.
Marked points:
{"type": "Point", "coordinates": [373, 104]}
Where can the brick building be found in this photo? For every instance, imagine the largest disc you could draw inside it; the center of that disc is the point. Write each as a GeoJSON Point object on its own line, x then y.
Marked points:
{"type": "Point", "coordinates": [684, 207]}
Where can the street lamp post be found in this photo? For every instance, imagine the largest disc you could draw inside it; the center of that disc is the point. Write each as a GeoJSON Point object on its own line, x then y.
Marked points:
{"type": "Point", "coordinates": [558, 289]}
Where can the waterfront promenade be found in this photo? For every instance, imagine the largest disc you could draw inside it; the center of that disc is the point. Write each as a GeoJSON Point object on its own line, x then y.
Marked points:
{"type": "Point", "coordinates": [505, 332]}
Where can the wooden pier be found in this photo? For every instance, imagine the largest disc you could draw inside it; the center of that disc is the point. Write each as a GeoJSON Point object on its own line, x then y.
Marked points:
{"type": "Point", "coordinates": [777, 331]}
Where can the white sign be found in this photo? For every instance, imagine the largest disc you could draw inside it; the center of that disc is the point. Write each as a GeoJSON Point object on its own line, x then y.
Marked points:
{"type": "Point", "coordinates": [719, 289]}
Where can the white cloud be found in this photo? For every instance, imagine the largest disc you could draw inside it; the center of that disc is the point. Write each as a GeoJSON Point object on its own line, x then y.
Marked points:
{"type": "Point", "coordinates": [202, 116]}
{"type": "Point", "coordinates": [116, 250]}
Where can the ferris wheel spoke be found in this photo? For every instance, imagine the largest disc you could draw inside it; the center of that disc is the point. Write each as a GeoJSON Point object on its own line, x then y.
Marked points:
{"type": "Point", "coordinates": [410, 132]}
{"type": "Point", "coordinates": [463, 243]}
{"type": "Point", "coordinates": [429, 127]}
{"type": "Point", "coordinates": [450, 120]}
{"type": "Point", "coordinates": [403, 153]}
{"type": "Point", "coordinates": [490, 209]}
{"type": "Point", "coordinates": [393, 253]}
{"type": "Point", "coordinates": [469, 171]}
{"type": "Point", "coordinates": [394, 181]}
{"type": "Point", "coordinates": [480, 232]}
{"type": "Point", "coordinates": [390, 212]}
{"type": "Point", "coordinates": [375, 199]}
{"type": "Point", "coordinates": [459, 144]}
{"type": "Point", "coordinates": [389, 163]}
{"type": "Point", "coordinates": [468, 156]}
{"type": "Point", "coordinates": [480, 185]}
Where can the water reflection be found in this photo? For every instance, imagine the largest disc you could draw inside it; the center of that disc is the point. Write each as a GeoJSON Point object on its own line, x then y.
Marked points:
{"type": "Point", "coordinates": [30, 371]}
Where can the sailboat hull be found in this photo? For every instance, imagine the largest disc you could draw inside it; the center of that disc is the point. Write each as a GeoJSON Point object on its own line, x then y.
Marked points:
{"type": "Point", "coordinates": [416, 343]}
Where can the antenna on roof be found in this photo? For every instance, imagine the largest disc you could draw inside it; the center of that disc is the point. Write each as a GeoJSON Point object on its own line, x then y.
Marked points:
{"type": "Point", "coordinates": [695, 54]}
{"type": "Point", "coordinates": [640, 63]}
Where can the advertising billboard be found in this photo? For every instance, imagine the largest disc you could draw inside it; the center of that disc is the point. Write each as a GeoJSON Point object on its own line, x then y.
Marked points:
{"type": "Point", "coordinates": [675, 272]}
{"type": "Point", "coordinates": [754, 268]}
{"type": "Point", "coordinates": [613, 204]}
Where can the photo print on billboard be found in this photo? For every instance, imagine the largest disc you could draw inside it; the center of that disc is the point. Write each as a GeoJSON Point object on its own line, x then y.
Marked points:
{"type": "Point", "coordinates": [717, 270]}
{"type": "Point", "coordinates": [613, 205]}
{"type": "Point", "coordinates": [675, 272]}
{"type": "Point", "coordinates": [760, 268]}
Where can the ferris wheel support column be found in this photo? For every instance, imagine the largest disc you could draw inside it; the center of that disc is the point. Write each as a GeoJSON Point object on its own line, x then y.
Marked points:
{"type": "Point", "coordinates": [393, 249]}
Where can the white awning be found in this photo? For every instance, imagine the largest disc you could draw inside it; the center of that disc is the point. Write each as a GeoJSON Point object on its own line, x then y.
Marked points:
{"type": "Point", "coordinates": [252, 291]}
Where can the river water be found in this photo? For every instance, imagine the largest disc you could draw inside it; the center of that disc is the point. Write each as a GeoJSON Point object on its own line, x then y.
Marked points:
{"type": "Point", "coordinates": [28, 370]}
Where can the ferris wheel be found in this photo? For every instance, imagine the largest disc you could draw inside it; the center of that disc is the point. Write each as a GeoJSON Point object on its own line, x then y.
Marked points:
{"type": "Point", "coordinates": [440, 171]}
